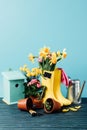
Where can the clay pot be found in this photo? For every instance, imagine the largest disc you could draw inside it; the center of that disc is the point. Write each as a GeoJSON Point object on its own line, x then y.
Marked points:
{"type": "Point", "coordinates": [37, 103]}
{"type": "Point", "coordinates": [25, 104]}
{"type": "Point", "coordinates": [51, 105]}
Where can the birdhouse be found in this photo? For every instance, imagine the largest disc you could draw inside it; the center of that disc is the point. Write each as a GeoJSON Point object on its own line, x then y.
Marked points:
{"type": "Point", "coordinates": [13, 86]}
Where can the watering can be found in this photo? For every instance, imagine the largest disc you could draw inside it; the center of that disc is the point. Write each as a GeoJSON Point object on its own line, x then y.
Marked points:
{"type": "Point", "coordinates": [75, 91]}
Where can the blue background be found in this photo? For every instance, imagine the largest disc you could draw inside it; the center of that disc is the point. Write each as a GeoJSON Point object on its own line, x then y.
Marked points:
{"type": "Point", "coordinates": [28, 25]}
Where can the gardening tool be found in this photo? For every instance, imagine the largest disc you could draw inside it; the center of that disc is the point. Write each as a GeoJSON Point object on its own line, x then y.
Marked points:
{"type": "Point", "coordinates": [34, 113]}
{"type": "Point", "coordinates": [81, 90]}
{"type": "Point", "coordinates": [75, 91]}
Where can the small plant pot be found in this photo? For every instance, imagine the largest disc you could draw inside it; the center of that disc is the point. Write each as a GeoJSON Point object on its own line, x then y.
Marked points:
{"type": "Point", "coordinates": [51, 105]}
{"type": "Point", "coordinates": [37, 103]}
{"type": "Point", "coordinates": [25, 104]}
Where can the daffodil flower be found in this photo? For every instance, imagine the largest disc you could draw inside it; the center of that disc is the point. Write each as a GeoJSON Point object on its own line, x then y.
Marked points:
{"type": "Point", "coordinates": [53, 58]}
{"type": "Point", "coordinates": [46, 50]}
{"type": "Point", "coordinates": [31, 57]}
{"type": "Point", "coordinates": [64, 54]}
{"type": "Point", "coordinates": [47, 60]}
{"type": "Point", "coordinates": [58, 53]}
{"type": "Point", "coordinates": [28, 74]}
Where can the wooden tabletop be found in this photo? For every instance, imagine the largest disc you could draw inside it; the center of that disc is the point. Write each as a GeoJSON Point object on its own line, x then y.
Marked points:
{"type": "Point", "coordinates": [11, 118]}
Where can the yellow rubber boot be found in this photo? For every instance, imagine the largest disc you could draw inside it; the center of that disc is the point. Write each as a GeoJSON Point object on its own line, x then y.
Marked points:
{"type": "Point", "coordinates": [57, 88]}
{"type": "Point", "coordinates": [53, 85]}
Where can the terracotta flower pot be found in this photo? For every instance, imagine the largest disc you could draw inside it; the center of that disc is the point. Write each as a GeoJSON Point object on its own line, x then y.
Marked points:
{"type": "Point", "coordinates": [25, 104]}
{"type": "Point", "coordinates": [37, 103]}
{"type": "Point", "coordinates": [51, 105]}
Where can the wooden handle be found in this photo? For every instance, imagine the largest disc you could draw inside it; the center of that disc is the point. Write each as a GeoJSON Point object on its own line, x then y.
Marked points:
{"type": "Point", "coordinates": [32, 112]}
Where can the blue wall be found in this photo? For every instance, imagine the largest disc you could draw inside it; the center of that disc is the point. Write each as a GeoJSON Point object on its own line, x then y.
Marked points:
{"type": "Point", "coordinates": [27, 25]}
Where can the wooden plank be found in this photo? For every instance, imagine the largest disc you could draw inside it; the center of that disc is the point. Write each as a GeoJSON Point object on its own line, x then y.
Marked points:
{"type": "Point", "coordinates": [11, 118]}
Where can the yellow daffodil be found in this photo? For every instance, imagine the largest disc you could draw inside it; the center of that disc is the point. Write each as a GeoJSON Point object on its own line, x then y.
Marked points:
{"type": "Point", "coordinates": [39, 71]}
{"type": "Point", "coordinates": [34, 71]}
{"type": "Point", "coordinates": [24, 69]}
{"type": "Point", "coordinates": [42, 54]}
{"type": "Point", "coordinates": [53, 58]}
{"type": "Point", "coordinates": [31, 57]}
{"type": "Point", "coordinates": [58, 53]}
{"type": "Point", "coordinates": [21, 68]}
{"type": "Point", "coordinates": [28, 74]}
{"type": "Point", "coordinates": [33, 74]}
{"type": "Point", "coordinates": [27, 70]}
{"type": "Point", "coordinates": [46, 50]}
{"type": "Point", "coordinates": [64, 54]}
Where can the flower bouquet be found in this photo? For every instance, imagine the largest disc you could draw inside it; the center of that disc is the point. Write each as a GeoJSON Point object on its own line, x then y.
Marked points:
{"type": "Point", "coordinates": [50, 77]}
{"type": "Point", "coordinates": [47, 60]}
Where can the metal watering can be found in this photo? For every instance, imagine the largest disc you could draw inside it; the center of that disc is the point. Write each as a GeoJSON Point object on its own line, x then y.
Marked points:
{"type": "Point", "coordinates": [75, 91]}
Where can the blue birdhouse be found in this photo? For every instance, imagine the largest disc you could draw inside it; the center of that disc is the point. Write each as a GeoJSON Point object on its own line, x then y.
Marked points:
{"type": "Point", "coordinates": [13, 86]}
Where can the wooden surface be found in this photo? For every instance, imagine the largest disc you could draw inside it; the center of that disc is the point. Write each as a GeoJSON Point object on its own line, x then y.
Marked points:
{"type": "Point", "coordinates": [11, 118]}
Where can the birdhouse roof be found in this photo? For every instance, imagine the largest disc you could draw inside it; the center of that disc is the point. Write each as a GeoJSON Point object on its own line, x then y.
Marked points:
{"type": "Point", "coordinates": [13, 75]}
